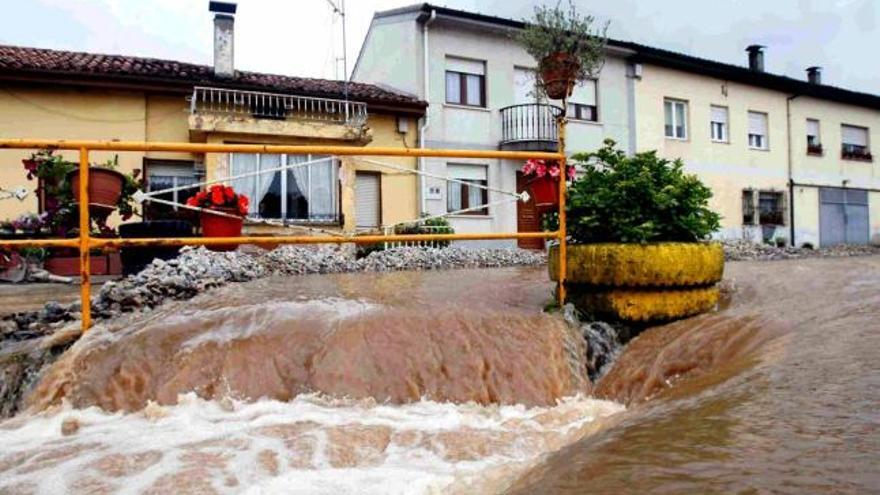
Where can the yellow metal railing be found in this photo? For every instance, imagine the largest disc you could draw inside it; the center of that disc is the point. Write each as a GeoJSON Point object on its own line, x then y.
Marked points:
{"type": "Point", "coordinates": [85, 242]}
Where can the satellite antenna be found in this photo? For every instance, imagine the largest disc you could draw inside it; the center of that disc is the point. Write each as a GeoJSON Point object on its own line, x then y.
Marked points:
{"type": "Point", "coordinates": [340, 10]}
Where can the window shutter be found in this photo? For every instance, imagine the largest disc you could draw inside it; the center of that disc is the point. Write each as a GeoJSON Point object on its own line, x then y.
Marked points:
{"type": "Point", "coordinates": [466, 66]}
{"type": "Point", "coordinates": [719, 114]}
{"type": "Point", "coordinates": [758, 123]}
{"type": "Point", "coordinates": [812, 127]}
{"type": "Point", "coordinates": [855, 135]}
{"type": "Point", "coordinates": [470, 172]}
{"type": "Point", "coordinates": [584, 94]}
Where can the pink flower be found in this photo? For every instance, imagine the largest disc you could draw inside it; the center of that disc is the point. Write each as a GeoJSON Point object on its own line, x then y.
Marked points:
{"type": "Point", "coordinates": [571, 172]}
{"type": "Point", "coordinates": [541, 169]}
{"type": "Point", "coordinates": [554, 171]}
{"type": "Point", "coordinates": [529, 167]}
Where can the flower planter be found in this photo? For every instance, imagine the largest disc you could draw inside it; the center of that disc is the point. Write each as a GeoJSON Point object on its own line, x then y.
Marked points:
{"type": "Point", "coordinates": [221, 226]}
{"type": "Point", "coordinates": [558, 73]}
{"type": "Point", "coordinates": [105, 188]}
{"type": "Point", "coordinates": [99, 264]}
{"type": "Point", "coordinates": [544, 190]}
{"type": "Point", "coordinates": [642, 283]}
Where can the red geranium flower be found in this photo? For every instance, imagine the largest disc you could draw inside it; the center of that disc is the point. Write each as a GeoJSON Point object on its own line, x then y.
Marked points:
{"type": "Point", "coordinates": [243, 204]}
{"type": "Point", "coordinates": [229, 193]}
{"type": "Point", "coordinates": [217, 196]}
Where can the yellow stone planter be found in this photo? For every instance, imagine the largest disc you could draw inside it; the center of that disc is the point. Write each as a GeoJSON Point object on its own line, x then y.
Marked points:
{"type": "Point", "coordinates": [642, 283]}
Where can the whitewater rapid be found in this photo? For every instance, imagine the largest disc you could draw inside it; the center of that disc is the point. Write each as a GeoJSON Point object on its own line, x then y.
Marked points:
{"type": "Point", "coordinates": [311, 444]}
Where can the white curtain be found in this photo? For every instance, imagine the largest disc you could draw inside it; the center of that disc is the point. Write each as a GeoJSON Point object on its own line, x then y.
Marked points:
{"type": "Point", "coordinates": [245, 164]}
{"type": "Point", "coordinates": [322, 188]}
{"type": "Point", "coordinates": [298, 181]}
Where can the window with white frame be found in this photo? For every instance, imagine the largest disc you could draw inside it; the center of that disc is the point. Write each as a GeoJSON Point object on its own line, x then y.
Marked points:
{"type": "Point", "coordinates": [307, 192]}
{"type": "Point", "coordinates": [676, 118]}
{"type": "Point", "coordinates": [169, 174]}
{"type": "Point", "coordinates": [465, 82]}
{"type": "Point", "coordinates": [718, 123]}
{"type": "Point", "coordinates": [582, 105]}
{"type": "Point", "coordinates": [461, 195]}
{"type": "Point", "coordinates": [814, 143]}
{"type": "Point", "coordinates": [854, 141]}
{"type": "Point", "coordinates": [758, 131]}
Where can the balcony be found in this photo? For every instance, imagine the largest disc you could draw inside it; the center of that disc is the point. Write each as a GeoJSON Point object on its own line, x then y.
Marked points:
{"type": "Point", "coordinates": [529, 127]}
{"type": "Point", "coordinates": [253, 112]}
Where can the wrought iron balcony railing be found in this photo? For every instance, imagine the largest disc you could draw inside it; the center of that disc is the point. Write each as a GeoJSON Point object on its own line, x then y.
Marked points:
{"type": "Point", "coordinates": [530, 123]}
{"type": "Point", "coordinates": [261, 105]}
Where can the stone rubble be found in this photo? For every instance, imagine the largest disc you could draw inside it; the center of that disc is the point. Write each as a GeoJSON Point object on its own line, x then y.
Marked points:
{"type": "Point", "coordinates": [742, 250]}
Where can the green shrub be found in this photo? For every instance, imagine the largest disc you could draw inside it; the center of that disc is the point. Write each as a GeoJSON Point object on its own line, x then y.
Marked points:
{"type": "Point", "coordinates": [428, 226]}
{"type": "Point", "coordinates": [636, 199]}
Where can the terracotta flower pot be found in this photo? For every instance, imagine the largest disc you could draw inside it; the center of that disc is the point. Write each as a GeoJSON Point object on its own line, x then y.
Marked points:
{"type": "Point", "coordinates": [558, 73]}
{"type": "Point", "coordinates": [220, 226]}
{"type": "Point", "coordinates": [105, 187]}
{"type": "Point", "coordinates": [544, 190]}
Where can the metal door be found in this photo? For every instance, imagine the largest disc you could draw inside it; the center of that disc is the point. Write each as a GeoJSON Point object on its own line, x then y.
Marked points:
{"type": "Point", "coordinates": [843, 216]}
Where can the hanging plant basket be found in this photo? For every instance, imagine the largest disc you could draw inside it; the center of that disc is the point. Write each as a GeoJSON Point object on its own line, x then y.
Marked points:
{"type": "Point", "coordinates": [105, 189]}
{"type": "Point", "coordinates": [544, 190]}
{"type": "Point", "coordinates": [559, 74]}
{"type": "Point", "coordinates": [221, 226]}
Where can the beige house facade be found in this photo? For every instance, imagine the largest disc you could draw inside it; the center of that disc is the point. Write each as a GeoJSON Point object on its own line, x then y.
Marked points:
{"type": "Point", "coordinates": [50, 94]}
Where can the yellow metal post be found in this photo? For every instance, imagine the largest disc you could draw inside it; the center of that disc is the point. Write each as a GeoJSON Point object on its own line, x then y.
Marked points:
{"type": "Point", "coordinates": [562, 220]}
{"type": "Point", "coordinates": [84, 240]}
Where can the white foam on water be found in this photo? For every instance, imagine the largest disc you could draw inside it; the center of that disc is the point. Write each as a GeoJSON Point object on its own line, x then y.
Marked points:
{"type": "Point", "coordinates": [223, 441]}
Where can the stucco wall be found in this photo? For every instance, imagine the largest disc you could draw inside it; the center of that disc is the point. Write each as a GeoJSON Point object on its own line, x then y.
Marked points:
{"type": "Point", "coordinates": [727, 168]}
{"type": "Point", "coordinates": [392, 54]}
{"type": "Point", "coordinates": [167, 122]}
{"type": "Point", "coordinates": [57, 113]}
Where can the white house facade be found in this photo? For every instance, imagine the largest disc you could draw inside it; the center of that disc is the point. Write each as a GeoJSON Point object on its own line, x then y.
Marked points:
{"type": "Point", "coordinates": [480, 91]}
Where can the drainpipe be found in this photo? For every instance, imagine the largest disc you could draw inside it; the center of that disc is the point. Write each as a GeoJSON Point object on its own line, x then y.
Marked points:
{"type": "Point", "coordinates": [423, 206]}
{"type": "Point", "coordinates": [790, 170]}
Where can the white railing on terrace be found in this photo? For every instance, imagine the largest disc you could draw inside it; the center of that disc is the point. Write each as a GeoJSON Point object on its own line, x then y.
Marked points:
{"type": "Point", "coordinates": [277, 106]}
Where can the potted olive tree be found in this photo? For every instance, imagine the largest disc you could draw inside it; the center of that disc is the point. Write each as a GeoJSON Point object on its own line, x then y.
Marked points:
{"type": "Point", "coordinates": [568, 48]}
{"type": "Point", "coordinates": [637, 229]}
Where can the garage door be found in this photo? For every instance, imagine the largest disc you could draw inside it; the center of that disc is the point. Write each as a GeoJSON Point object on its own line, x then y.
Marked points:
{"type": "Point", "coordinates": [367, 195]}
{"type": "Point", "coordinates": [843, 216]}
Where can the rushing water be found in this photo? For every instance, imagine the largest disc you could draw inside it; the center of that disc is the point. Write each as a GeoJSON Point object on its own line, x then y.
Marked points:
{"type": "Point", "coordinates": [457, 383]}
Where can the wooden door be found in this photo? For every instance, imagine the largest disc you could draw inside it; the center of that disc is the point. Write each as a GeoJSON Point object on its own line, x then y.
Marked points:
{"type": "Point", "coordinates": [527, 218]}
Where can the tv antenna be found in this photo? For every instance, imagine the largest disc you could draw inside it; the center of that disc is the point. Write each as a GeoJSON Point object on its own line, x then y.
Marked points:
{"type": "Point", "coordinates": [340, 10]}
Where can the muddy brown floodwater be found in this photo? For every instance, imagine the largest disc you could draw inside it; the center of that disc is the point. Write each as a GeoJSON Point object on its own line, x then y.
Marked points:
{"type": "Point", "coordinates": [777, 393]}
{"type": "Point", "coordinates": [456, 382]}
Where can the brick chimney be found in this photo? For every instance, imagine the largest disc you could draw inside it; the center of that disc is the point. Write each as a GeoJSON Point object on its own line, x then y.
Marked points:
{"type": "Point", "coordinates": [756, 57]}
{"type": "Point", "coordinates": [224, 38]}
{"type": "Point", "coordinates": [814, 75]}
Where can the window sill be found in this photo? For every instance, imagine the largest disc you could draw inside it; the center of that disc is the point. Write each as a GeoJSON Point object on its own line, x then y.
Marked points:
{"type": "Point", "coordinates": [863, 159]}
{"type": "Point", "coordinates": [753, 148]}
{"type": "Point", "coordinates": [670, 138]}
{"type": "Point", "coordinates": [817, 154]}
{"type": "Point", "coordinates": [467, 107]}
{"type": "Point", "coordinates": [717, 141]}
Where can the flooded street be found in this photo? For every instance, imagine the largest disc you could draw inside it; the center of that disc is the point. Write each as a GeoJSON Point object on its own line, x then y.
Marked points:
{"type": "Point", "coordinates": [780, 393]}
{"type": "Point", "coordinates": [456, 382]}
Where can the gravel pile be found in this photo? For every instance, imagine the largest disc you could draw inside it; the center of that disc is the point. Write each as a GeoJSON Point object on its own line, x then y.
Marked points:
{"type": "Point", "coordinates": [198, 269]}
{"type": "Point", "coordinates": [741, 250]}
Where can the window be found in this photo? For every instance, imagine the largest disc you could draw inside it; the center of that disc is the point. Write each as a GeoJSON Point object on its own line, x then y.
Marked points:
{"type": "Point", "coordinates": [582, 104]}
{"type": "Point", "coordinates": [465, 82]}
{"type": "Point", "coordinates": [676, 118]}
{"type": "Point", "coordinates": [748, 205]}
{"type": "Point", "coordinates": [770, 208]}
{"type": "Point", "coordinates": [814, 144]}
{"type": "Point", "coordinates": [854, 142]}
{"type": "Point", "coordinates": [758, 130]}
{"type": "Point", "coordinates": [168, 174]}
{"type": "Point", "coordinates": [461, 196]}
{"type": "Point", "coordinates": [718, 123]}
{"type": "Point", "coordinates": [307, 192]}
